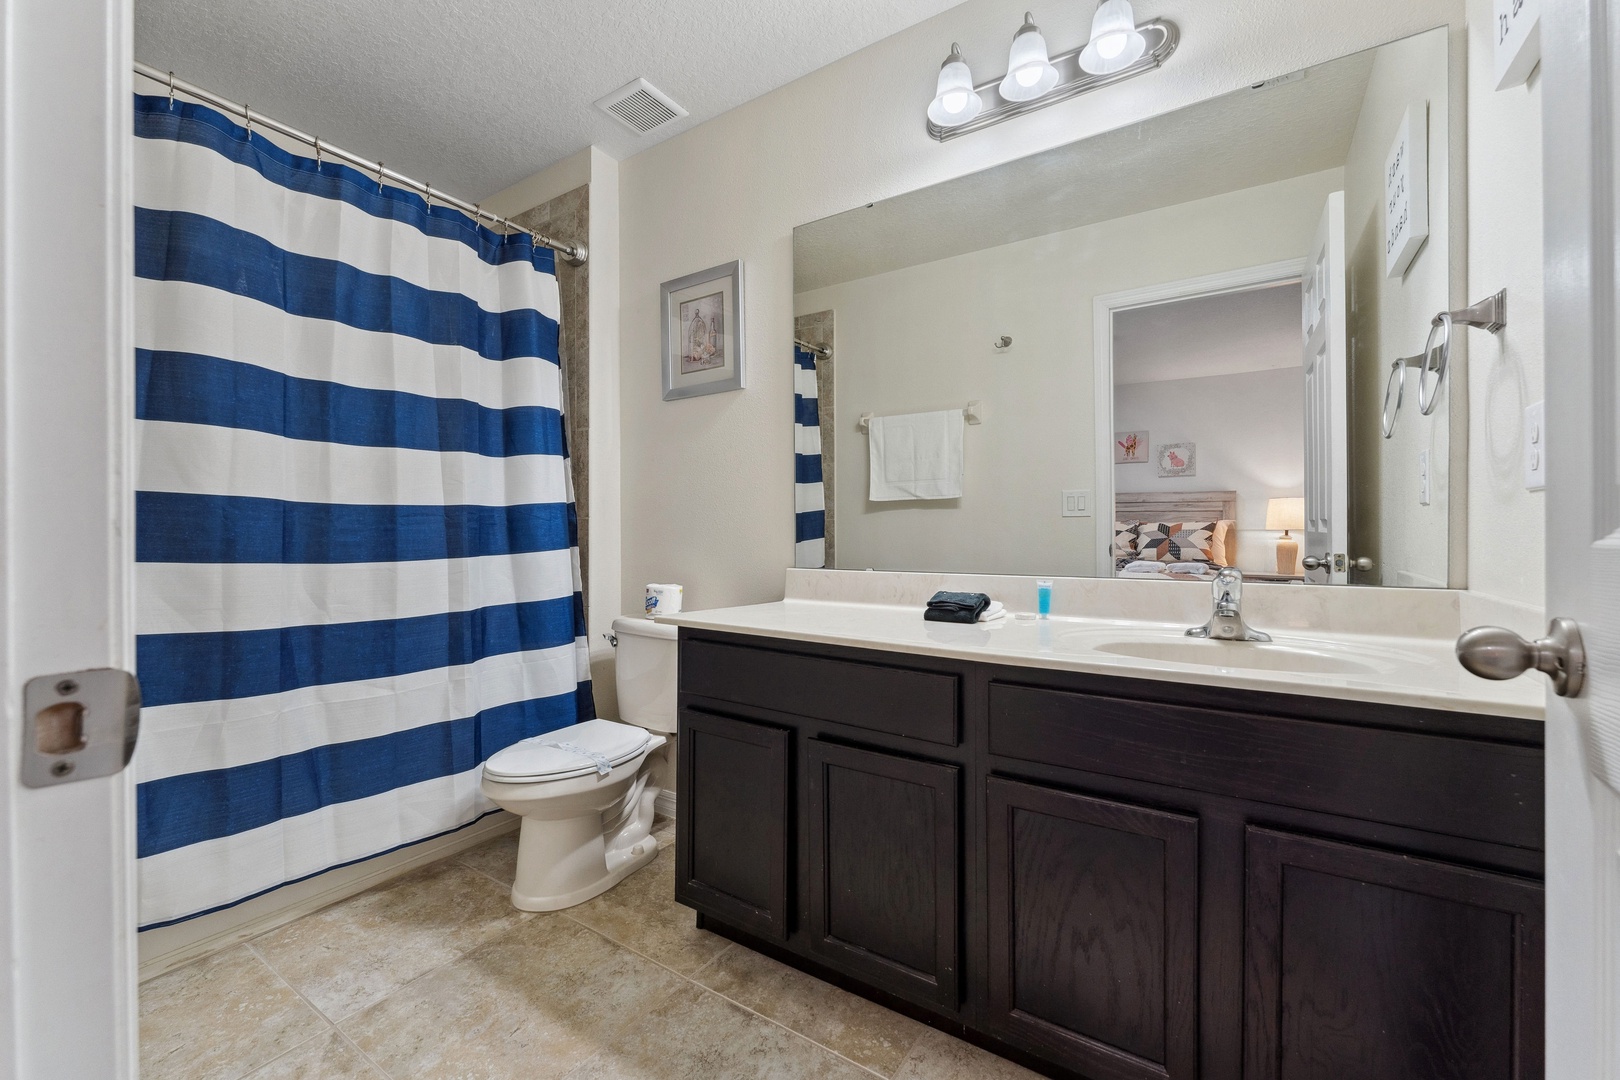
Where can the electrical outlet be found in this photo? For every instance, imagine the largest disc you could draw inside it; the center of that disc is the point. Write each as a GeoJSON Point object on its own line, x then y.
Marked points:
{"type": "Point", "coordinates": [1424, 494]}
{"type": "Point", "coordinates": [1077, 503]}
{"type": "Point", "coordinates": [1535, 446]}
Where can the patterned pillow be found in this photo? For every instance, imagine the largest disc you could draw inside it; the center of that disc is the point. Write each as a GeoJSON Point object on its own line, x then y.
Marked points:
{"type": "Point", "coordinates": [1178, 541]}
{"type": "Point", "coordinates": [1125, 539]}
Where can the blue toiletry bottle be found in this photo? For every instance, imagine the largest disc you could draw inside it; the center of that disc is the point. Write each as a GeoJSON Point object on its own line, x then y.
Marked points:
{"type": "Point", "coordinates": [1043, 598]}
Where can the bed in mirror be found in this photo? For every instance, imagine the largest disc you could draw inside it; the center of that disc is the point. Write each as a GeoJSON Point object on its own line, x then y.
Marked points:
{"type": "Point", "coordinates": [1200, 340]}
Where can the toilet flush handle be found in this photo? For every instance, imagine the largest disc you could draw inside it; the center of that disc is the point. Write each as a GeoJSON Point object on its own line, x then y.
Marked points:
{"type": "Point", "coordinates": [612, 638]}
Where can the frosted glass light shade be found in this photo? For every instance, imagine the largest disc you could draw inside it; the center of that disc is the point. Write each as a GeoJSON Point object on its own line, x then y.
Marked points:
{"type": "Point", "coordinates": [1115, 43]}
{"type": "Point", "coordinates": [955, 101]}
{"type": "Point", "coordinates": [1285, 514]}
{"type": "Point", "coordinates": [1029, 69]}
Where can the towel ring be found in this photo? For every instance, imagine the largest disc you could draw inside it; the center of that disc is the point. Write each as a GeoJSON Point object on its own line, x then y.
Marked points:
{"type": "Point", "coordinates": [1429, 392]}
{"type": "Point", "coordinates": [1397, 387]}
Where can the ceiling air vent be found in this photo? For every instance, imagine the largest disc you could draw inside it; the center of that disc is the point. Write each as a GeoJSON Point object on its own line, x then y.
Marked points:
{"type": "Point", "coordinates": [640, 106]}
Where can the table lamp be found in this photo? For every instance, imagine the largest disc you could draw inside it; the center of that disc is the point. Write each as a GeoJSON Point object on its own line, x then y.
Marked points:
{"type": "Point", "coordinates": [1286, 514]}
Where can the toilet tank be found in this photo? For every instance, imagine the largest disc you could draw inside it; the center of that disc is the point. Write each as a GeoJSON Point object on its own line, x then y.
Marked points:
{"type": "Point", "coordinates": [645, 673]}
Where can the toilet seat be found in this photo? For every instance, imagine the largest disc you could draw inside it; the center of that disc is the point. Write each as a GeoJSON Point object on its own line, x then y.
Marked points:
{"type": "Point", "coordinates": [582, 747]}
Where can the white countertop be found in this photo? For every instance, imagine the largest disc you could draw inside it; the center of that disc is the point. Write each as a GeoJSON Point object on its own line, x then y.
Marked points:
{"type": "Point", "coordinates": [1412, 671]}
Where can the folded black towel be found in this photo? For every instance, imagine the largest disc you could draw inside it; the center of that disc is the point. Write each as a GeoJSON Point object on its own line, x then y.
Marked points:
{"type": "Point", "coordinates": [956, 607]}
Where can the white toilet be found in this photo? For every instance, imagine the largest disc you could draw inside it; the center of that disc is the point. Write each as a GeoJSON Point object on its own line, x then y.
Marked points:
{"type": "Point", "coordinates": [586, 792]}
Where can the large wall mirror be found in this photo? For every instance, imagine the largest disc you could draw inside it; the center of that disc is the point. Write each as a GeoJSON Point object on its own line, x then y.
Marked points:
{"type": "Point", "coordinates": [1174, 344]}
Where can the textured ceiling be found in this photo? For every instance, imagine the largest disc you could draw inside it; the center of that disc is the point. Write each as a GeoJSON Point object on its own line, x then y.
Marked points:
{"type": "Point", "coordinates": [1254, 330]}
{"type": "Point", "coordinates": [475, 95]}
{"type": "Point", "coordinates": [1239, 140]}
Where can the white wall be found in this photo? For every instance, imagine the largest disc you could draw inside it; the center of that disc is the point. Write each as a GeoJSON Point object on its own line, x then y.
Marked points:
{"type": "Point", "coordinates": [1390, 318]}
{"type": "Point", "coordinates": [920, 338]}
{"type": "Point", "coordinates": [1504, 373]}
{"type": "Point", "coordinates": [707, 494]}
{"type": "Point", "coordinates": [1250, 432]}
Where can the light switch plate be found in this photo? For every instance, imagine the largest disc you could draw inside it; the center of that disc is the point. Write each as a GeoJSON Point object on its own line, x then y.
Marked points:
{"type": "Point", "coordinates": [1425, 496]}
{"type": "Point", "coordinates": [1535, 446]}
{"type": "Point", "coordinates": [1077, 503]}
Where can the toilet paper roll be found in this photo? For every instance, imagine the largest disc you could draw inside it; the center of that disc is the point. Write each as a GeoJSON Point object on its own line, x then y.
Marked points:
{"type": "Point", "coordinates": [663, 600]}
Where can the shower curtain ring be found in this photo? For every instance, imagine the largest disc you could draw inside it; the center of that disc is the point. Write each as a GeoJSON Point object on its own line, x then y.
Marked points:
{"type": "Point", "coordinates": [379, 178]}
{"type": "Point", "coordinates": [317, 153]}
{"type": "Point", "coordinates": [171, 91]}
{"type": "Point", "coordinates": [428, 191]}
{"type": "Point", "coordinates": [247, 114]}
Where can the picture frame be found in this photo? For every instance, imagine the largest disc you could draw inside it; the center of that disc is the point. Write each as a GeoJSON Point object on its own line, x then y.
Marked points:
{"type": "Point", "coordinates": [1130, 447]}
{"type": "Point", "coordinates": [1177, 459]}
{"type": "Point", "coordinates": [702, 317]}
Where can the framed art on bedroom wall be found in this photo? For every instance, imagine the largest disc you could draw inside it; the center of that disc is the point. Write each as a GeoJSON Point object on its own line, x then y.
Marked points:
{"type": "Point", "coordinates": [703, 332]}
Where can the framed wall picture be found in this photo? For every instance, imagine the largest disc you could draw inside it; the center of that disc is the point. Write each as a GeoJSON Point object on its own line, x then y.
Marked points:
{"type": "Point", "coordinates": [703, 332]}
{"type": "Point", "coordinates": [1130, 447]}
{"type": "Point", "coordinates": [1178, 459]}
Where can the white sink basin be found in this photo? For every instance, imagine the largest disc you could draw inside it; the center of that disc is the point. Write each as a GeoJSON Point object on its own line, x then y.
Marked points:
{"type": "Point", "coordinates": [1304, 657]}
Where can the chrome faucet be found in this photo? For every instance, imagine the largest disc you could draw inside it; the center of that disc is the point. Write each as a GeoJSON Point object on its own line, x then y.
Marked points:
{"type": "Point", "coordinates": [1227, 623]}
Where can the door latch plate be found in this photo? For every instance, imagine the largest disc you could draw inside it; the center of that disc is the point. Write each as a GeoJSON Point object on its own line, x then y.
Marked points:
{"type": "Point", "coordinates": [79, 725]}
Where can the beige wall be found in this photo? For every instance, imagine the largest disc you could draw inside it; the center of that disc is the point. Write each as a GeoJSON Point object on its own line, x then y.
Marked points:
{"type": "Point", "coordinates": [707, 492]}
{"type": "Point", "coordinates": [919, 338]}
{"type": "Point", "coordinates": [1390, 318]}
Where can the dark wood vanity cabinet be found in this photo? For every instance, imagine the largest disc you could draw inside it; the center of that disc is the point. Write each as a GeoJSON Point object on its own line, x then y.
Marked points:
{"type": "Point", "coordinates": [1119, 878]}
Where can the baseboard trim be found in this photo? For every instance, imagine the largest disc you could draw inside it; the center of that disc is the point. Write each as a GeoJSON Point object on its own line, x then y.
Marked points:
{"type": "Point", "coordinates": [168, 947]}
{"type": "Point", "coordinates": [665, 803]}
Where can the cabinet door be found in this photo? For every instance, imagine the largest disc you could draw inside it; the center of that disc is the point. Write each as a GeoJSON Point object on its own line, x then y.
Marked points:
{"type": "Point", "coordinates": [1364, 963]}
{"type": "Point", "coordinates": [1093, 917]}
{"type": "Point", "coordinates": [733, 821]}
{"type": "Point", "coordinates": [884, 875]}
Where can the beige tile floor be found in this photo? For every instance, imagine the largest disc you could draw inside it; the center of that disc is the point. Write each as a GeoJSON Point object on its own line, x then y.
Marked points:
{"type": "Point", "coordinates": [436, 975]}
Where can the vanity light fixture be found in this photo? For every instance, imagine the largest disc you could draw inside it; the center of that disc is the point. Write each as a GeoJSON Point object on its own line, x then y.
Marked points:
{"type": "Point", "coordinates": [955, 101]}
{"type": "Point", "coordinates": [1117, 50]}
{"type": "Point", "coordinates": [1029, 71]}
{"type": "Point", "coordinates": [1115, 42]}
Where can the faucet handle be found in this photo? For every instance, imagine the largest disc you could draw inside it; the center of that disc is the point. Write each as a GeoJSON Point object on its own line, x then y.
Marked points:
{"type": "Point", "coordinates": [1228, 586]}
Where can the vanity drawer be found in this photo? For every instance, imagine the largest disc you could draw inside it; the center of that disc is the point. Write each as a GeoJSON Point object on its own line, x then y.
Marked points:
{"type": "Point", "coordinates": [1463, 787]}
{"type": "Point", "coordinates": [896, 701]}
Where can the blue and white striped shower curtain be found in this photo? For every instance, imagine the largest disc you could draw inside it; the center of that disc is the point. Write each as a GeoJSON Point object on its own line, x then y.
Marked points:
{"type": "Point", "coordinates": [809, 495]}
{"type": "Point", "coordinates": [356, 541]}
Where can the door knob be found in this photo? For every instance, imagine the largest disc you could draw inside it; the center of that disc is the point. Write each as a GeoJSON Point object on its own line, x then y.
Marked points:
{"type": "Point", "coordinates": [1363, 564]}
{"type": "Point", "coordinates": [1311, 562]}
{"type": "Point", "coordinates": [1494, 652]}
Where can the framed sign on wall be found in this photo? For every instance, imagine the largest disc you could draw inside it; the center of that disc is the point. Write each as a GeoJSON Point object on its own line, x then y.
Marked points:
{"type": "Point", "coordinates": [1406, 192]}
{"type": "Point", "coordinates": [1517, 33]}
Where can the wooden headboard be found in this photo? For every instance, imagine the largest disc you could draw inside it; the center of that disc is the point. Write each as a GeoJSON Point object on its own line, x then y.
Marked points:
{"type": "Point", "coordinates": [1180, 506]}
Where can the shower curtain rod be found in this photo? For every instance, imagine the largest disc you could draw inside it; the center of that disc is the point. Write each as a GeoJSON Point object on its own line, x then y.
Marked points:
{"type": "Point", "coordinates": [821, 351]}
{"type": "Point", "coordinates": [574, 253]}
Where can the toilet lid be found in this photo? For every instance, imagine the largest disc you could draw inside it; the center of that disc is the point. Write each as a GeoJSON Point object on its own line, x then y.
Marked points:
{"type": "Point", "coordinates": [569, 751]}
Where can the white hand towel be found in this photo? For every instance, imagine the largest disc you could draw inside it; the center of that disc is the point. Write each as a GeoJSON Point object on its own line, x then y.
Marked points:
{"type": "Point", "coordinates": [915, 456]}
{"type": "Point", "coordinates": [1144, 568]}
{"type": "Point", "coordinates": [995, 611]}
{"type": "Point", "coordinates": [1189, 568]}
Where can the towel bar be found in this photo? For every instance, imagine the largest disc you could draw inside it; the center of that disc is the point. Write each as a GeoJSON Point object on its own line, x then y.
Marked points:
{"type": "Point", "coordinates": [972, 413]}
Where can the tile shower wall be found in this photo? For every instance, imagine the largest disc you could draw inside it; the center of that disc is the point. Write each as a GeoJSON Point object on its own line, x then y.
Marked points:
{"type": "Point", "coordinates": [568, 218]}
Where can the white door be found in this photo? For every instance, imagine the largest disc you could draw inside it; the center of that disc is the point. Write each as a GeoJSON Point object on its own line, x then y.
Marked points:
{"type": "Point", "coordinates": [67, 913]}
{"type": "Point", "coordinates": [1327, 456]}
{"type": "Point", "coordinates": [1583, 535]}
